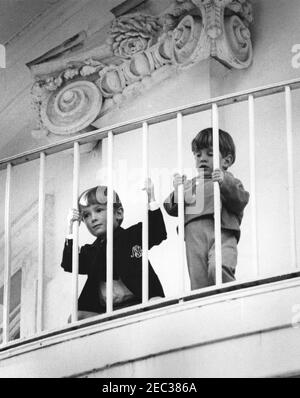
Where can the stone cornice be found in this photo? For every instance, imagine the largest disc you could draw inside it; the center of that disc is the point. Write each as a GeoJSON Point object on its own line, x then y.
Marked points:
{"type": "Point", "coordinates": [86, 77]}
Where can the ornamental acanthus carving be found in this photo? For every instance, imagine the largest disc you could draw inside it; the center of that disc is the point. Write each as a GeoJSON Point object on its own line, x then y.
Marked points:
{"type": "Point", "coordinates": [79, 81]}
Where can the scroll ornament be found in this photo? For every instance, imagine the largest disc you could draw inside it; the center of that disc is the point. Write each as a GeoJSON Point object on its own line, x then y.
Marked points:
{"type": "Point", "coordinates": [73, 88]}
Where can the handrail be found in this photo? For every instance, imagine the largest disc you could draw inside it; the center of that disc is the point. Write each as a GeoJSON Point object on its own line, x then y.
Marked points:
{"type": "Point", "coordinates": [151, 119]}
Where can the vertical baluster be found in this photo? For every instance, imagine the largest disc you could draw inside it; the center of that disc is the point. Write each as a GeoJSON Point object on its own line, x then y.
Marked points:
{"type": "Point", "coordinates": [180, 200]}
{"type": "Point", "coordinates": [217, 198]}
{"type": "Point", "coordinates": [7, 256]}
{"type": "Point", "coordinates": [41, 244]}
{"type": "Point", "coordinates": [145, 278]}
{"type": "Point", "coordinates": [75, 254]}
{"type": "Point", "coordinates": [253, 184]}
{"type": "Point", "coordinates": [110, 198]}
{"type": "Point", "coordinates": [291, 184]}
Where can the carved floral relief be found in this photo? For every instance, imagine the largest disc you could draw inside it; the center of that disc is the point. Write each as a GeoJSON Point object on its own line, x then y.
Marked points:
{"type": "Point", "coordinates": [76, 82]}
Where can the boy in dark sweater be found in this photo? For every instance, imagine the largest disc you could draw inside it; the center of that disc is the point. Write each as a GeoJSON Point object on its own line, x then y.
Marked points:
{"type": "Point", "coordinates": [127, 252]}
{"type": "Point", "coordinates": [199, 210]}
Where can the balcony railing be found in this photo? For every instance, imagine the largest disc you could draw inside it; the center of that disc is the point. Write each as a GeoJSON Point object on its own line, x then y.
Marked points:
{"type": "Point", "coordinates": [179, 113]}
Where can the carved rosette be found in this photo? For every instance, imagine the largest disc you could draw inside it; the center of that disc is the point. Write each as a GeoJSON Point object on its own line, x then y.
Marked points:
{"type": "Point", "coordinates": [72, 108]}
{"type": "Point", "coordinates": [132, 34]}
{"type": "Point", "coordinates": [72, 90]}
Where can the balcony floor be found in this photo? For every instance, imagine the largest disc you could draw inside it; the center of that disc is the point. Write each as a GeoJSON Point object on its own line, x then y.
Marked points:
{"type": "Point", "coordinates": [245, 330]}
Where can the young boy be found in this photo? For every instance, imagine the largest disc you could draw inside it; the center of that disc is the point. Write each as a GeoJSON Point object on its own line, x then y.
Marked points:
{"type": "Point", "coordinates": [127, 252]}
{"type": "Point", "coordinates": [199, 210]}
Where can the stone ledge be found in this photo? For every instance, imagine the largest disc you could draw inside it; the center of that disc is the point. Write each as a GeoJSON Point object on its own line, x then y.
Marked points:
{"type": "Point", "coordinates": [182, 329]}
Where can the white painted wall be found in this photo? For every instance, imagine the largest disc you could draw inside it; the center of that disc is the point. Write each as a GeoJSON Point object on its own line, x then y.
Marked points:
{"type": "Point", "coordinates": [274, 31]}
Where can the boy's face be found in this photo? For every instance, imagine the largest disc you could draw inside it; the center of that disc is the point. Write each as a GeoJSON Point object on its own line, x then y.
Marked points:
{"type": "Point", "coordinates": [95, 219]}
{"type": "Point", "coordinates": [204, 161]}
